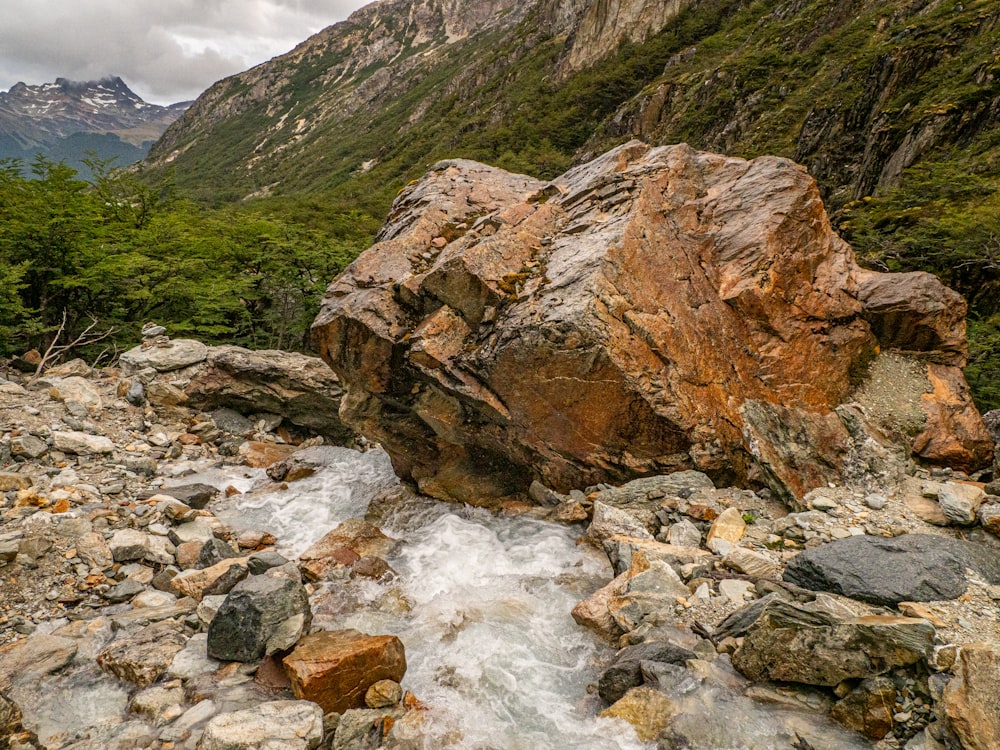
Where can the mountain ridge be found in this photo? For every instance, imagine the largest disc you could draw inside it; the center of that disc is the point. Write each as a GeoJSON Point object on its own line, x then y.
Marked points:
{"type": "Point", "coordinates": [64, 119]}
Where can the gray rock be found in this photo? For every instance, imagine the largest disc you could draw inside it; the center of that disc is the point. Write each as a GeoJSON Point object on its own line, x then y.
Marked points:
{"type": "Point", "coordinates": [214, 551]}
{"type": "Point", "coordinates": [643, 497]}
{"type": "Point", "coordinates": [264, 561]}
{"type": "Point", "coordinates": [610, 521]}
{"type": "Point", "coordinates": [626, 670]}
{"type": "Point", "coordinates": [129, 544]}
{"type": "Point", "coordinates": [875, 501]}
{"type": "Point", "coordinates": [81, 443]}
{"type": "Point", "coordinates": [279, 725]}
{"type": "Point", "coordinates": [960, 503]}
{"type": "Point", "coordinates": [912, 567]}
{"type": "Point", "coordinates": [177, 354]}
{"type": "Point", "coordinates": [28, 446]}
{"type": "Point", "coordinates": [124, 591]}
{"type": "Point", "coordinates": [195, 496]}
{"type": "Point", "coordinates": [193, 659]}
{"type": "Point", "coordinates": [195, 530]}
{"type": "Point", "coordinates": [790, 643]}
{"type": "Point", "coordinates": [255, 611]}
{"type": "Point", "coordinates": [231, 421]}
{"type": "Point", "coordinates": [136, 394]}
{"type": "Point", "coordinates": [359, 728]}
{"type": "Point", "coordinates": [303, 389]}
{"type": "Point", "coordinates": [685, 534]}
{"type": "Point", "coordinates": [143, 655]}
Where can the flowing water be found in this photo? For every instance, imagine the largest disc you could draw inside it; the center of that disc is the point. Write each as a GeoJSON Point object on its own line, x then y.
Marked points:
{"type": "Point", "coordinates": [482, 605]}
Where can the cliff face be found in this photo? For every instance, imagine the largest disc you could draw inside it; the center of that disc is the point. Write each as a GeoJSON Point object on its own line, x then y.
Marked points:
{"type": "Point", "coordinates": [652, 310]}
{"type": "Point", "coordinates": [855, 91]}
{"type": "Point", "coordinates": [604, 24]}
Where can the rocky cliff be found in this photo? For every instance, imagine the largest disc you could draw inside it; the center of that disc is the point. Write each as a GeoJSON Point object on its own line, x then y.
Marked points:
{"type": "Point", "coordinates": [856, 92]}
{"type": "Point", "coordinates": [652, 310]}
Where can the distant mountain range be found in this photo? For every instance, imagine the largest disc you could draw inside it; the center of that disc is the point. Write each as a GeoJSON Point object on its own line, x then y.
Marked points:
{"type": "Point", "coordinates": [67, 120]}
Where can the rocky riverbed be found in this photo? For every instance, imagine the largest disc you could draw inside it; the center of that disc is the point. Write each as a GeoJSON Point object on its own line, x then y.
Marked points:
{"type": "Point", "coordinates": [177, 573]}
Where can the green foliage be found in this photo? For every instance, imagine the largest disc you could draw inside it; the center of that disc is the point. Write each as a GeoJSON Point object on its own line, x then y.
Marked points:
{"type": "Point", "coordinates": [123, 253]}
{"type": "Point", "coordinates": [943, 217]}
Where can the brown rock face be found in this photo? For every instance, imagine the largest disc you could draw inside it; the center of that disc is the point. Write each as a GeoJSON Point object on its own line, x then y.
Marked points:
{"type": "Point", "coordinates": [336, 668]}
{"type": "Point", "coordinates": [343, 546]}
{"type": "Point", "coordinates": [970, 699]}
{"type": "Point", "coordinates": [653, 310]}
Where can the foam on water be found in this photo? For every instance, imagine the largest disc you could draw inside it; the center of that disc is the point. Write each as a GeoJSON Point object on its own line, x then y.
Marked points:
{"type": "Point", "coordinates": [341, 488]}
{"type": "Point", "coordinates": [482, 605]}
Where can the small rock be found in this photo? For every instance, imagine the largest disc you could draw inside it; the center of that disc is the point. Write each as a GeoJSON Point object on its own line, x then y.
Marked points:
{"type": "Point", "coordinates": [28, 446]}
{"type": "Point", "coordinates": [10, 481]}
{"type": "Point", "coordinates": [143, 656]}
{"type": "Point", "coordinates": [876, 501]}
{"type": "Point", "coordinates": [685, 534]}
{"type": "Point", "coordinates": [383, 694]}
{"type": "Point", "coordinates": [736, 591]}
{"type": "Point", "coordinates": [128, 544]}
{"type": "Point", "coordinates": [195, 496]}
{"type": "Point", "coordinates": [648, 711]}
{"type": "Point", "coordinates": [960, 503]}
{"type": "Point", "coordinates": [728, 527]}
{"type": "Point", "coordinates": [82, 443]}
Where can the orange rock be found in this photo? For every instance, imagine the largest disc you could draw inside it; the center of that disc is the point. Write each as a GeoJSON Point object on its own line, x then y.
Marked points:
{"type": "Point", "coordinates": [188, 439]}
{"type": "Point", "coordinates": [258, 455]}
{"type": "Point", "coordinates": [61, 506]}
{"type": "Point", "coordinates": [662, 309]}
{"type": "Point", "coordinates": [343, 546]}
{"type": "Point", "coordinates": [335, 668]}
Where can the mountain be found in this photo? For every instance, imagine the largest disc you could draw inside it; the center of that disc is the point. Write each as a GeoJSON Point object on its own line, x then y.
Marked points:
{"type": "Point", "coordinates": [892, 105]}
{"type": "Point", "coordinates": [857, 91]}
{"type": "Point", "coordinates": [65, 120]}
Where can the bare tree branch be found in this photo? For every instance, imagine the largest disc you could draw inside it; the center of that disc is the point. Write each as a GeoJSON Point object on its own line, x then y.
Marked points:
{"type": "Point", "coordinates": [85, 338]}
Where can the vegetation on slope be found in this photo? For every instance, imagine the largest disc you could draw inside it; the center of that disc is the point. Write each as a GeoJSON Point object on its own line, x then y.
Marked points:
{"type": "Point", "coordinates": [118, 252]}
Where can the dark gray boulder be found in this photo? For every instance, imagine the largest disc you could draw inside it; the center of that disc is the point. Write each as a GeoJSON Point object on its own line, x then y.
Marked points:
{"type": "Point", "coordinates": [261, 615]}
{"type": "Point", "coordinates": [908, 568]}
{"type": "Point", "coordinates": [215, 551]}
{"type": "Point", "coordinates": [196, 496]}
{"type": "Point", "coordinates": [261, 562]}
{"type": "Point", "coordinates": [626, 670]}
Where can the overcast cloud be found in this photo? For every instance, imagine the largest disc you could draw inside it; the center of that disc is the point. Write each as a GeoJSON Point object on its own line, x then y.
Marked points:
{"type": "Point", "coordinates": [165, 50]}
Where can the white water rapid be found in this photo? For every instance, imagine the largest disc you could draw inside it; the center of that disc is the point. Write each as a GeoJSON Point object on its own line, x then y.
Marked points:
{"type": "Point", "coordinates": [482, 605]}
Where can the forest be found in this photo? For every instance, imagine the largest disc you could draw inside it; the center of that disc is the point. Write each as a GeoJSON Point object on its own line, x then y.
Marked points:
{"type": "Point", "coordinates": [112, 253]}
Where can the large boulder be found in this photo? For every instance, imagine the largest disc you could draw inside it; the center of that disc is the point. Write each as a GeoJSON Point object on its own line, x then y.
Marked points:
{"type": "Point", "coordinates": [655, 309]}
{"type": "Point", "coordinates": [789, 643]}
{"type": "Point", "coordinates": [261, 615]}
{"type": "Point", "coordinates": [335, 668]}
{"type": "Point", "coordinates": [302, 389]}
{"type": "Point", "coordinates": [908, 568]}
{"type": "Point", "coordinates": [970, 700]}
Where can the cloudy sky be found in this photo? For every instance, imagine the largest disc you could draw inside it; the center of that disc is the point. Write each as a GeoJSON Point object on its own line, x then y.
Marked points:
{"type": "Point", "coordinates": [165, 50]}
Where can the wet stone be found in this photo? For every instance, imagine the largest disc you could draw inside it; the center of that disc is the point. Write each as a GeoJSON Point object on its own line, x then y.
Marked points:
{"type": "Point", "coordinates": [258, 610]}
{"type": "Point", "coordinates": [142, 656]}
{"type": "Point", "coordinates": [288, 725]}
{"type": "Point", "coordinates": [195, 496]}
